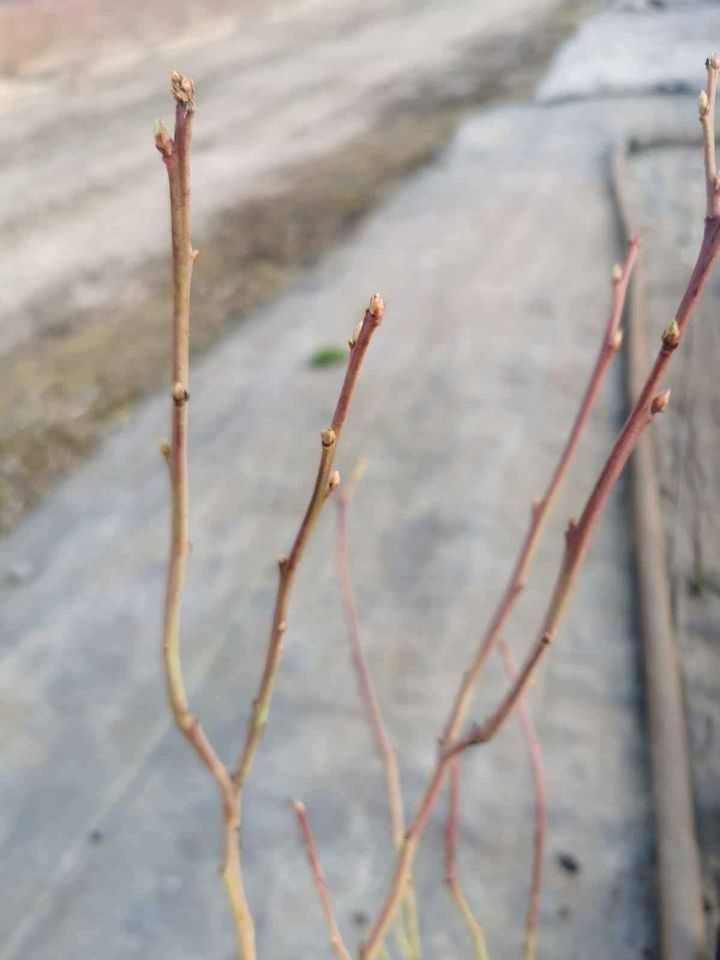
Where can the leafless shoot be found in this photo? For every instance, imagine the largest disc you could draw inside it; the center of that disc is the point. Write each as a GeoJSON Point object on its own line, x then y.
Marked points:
{"type": "Point", "coordinates": [175, 153]}
{"type": "Point", "coordinates": [651, 401]}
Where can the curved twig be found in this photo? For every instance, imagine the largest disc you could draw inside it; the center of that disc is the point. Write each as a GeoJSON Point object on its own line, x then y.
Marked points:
{"type": "Point", "coordinates": [175, 153]}
{"type": "Point", "coordinates": [287, 566]}
{"type": "Point", "coordinates": [577, 540]}
{"type": "Point", "coordinates": [336, 940]}
{"type": "Point", "coordinates": [410, 940]}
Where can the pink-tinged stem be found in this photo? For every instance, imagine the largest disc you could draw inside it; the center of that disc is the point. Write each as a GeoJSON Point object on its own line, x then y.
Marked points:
{"type": "Point", "coordinates": [540, 818]}
{"type": "Point", "coordinates": [577, 537]}
{"type": "Point", "coordinates": [610, 344]}
{"type": "Point", "coordinates": [325, 481]}
{"type": "Point", "coordinates": [612, 339]}
{"type": "Point", "coordinates": [472, 924]}
{"type": "Point", "coordinates": [577, 540]}
{"type": "Point", "coordinates": [410, 941]}
{"type": "Point", "coordinates": [366, 687]}
{"type": "Point", "coordinates": [336, 940]}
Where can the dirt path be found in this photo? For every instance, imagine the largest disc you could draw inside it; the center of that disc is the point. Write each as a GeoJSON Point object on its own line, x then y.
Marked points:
{"type": "Point", "coordinates": [301, 133]}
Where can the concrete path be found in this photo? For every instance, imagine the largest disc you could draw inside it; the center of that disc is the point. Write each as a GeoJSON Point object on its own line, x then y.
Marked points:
{"type": "Point", "coordinates": [495, 268]}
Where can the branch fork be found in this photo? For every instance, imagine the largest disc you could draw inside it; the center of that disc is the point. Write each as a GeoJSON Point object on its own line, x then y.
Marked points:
{"type": "Point", "coordinates": [175, 153]}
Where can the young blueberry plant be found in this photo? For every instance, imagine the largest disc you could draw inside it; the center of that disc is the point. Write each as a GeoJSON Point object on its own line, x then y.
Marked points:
{"type": "Point", "coordinates": [398, 909]}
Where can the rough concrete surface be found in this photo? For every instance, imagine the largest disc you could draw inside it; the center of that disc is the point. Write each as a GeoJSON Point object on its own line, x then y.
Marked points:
{"type": "Point", "coordinates": [495, 266]}
{"type": "Point", "coordinates": [636, 47]}
{"type": "Point", "coordinates": [670, 215]}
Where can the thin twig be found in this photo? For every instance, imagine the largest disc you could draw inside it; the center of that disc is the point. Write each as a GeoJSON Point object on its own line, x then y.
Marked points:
{"type": "Point", "coordinates": [336, 940]}
{"type": "Point", "coordinates": [540, 812]}
{"type": "Point", "coordinates": [175, 153]}
{"type": "Point", "coordinates": [451, 879]}
{"type": "Point", "coordinates": [368, 696]}
{"type": "Point", "coordinates": [326, 480]}
{"type": "Point", "coordinates": [410, 942]}
{"type": "Point", "coordinates": [610, 344]}
{"type": "Point", "coordinates": [706, 110]}
{"type": "Point", "coordinates": [577, 539]}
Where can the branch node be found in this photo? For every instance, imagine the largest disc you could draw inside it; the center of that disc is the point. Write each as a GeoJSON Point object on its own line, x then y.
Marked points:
{"type": "Point", "coordinates": [180, 394]}
{"type": "Point", "coordinates": [282, 626]}
{"type": "Point", "coordinates": [671, 337]}
{"type": "Point", "coordinates": [355, 334]}
{"type": "Point", "coordinates": [163, 141]}
{"type": "Point", "coordinates": [547, 639]}
{"type": "Point", "coordinates": [660, 402]}
{"type": "Point", "coordinates": [703, 105]}
{"type": "Point", "coordinates": [571, 530]}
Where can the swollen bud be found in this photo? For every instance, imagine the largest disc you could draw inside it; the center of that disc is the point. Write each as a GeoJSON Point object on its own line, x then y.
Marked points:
{"type": "Point", "coordinates": [182, 89]}
{"type": "Point", "coordinates": [617, 273]}
{"type": "Point", "coordinates": [616, 340]}
{"type": "Point", "coordinates": [660, 402]}
{"type": "Point", "coordinates": [163, 140]}
{"type": "Point", "coordinates": [376, 309]}
{"type": "Point", "coordinates": [703, 105]}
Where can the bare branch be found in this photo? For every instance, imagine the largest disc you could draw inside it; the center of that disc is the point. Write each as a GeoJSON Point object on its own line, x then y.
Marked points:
{"type": "Point", "coordinates": [410, 941]}
{"type": "Point", "coordinates": [610, 344]}
{"type": "Point", "coordinates": [176, 157]}
{"type": "Point", "coordinates": [366, 688]}
{"type": "Point", "coordinates": [287, 566]}
{"type": "Point", "coordinates": [336, 940]}
{"type": "Point", "coordinates": [453, 884]}
{"type": "Point", "coordinates": [538, 776]}
{"type": "Point", "coordinates": [540, 818]}
{"type": "Point", "coordinates": [649, 403]}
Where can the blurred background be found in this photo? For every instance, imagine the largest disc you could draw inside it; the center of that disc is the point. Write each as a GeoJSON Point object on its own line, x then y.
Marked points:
{"type": "Point", "coordinates": [456, 157]}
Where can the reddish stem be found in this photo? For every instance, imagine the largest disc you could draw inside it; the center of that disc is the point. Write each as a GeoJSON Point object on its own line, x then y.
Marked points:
{"type": "Point", "coordinates": [540, 812]}
{"type": "Point", "coordinates": [578, 535]}
{"type": "Point", "coordinates": [610, 344]}
{"type": "Point", "coordinates": [368, 695]}
{"type": "Point", "coordinates": [324, 483]}
{"type": "Point", "coordinates": [336, 940]}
